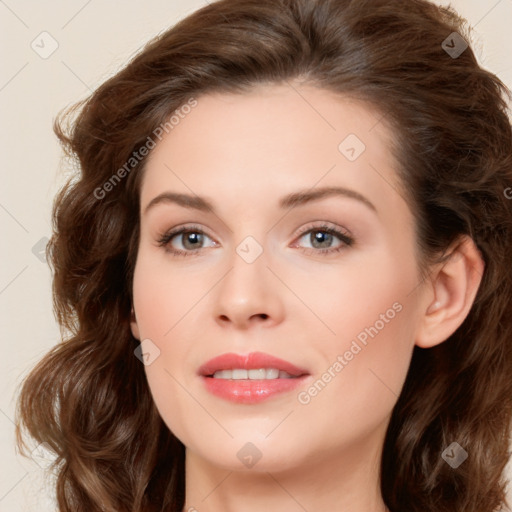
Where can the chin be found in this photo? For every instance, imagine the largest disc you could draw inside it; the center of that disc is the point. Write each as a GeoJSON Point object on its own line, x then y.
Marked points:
{"type": "Point", "coordinates": [249, 453]}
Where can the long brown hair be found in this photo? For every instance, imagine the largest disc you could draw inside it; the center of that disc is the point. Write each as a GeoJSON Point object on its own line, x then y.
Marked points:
{"type": "Point", "coordinates": [88, 399]}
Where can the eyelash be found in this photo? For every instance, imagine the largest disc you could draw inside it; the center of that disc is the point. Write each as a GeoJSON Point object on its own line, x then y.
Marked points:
{"type": "Point", "coordinates": [347, 241]}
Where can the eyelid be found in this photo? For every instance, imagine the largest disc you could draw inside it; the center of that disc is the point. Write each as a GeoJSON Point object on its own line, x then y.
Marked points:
{"type": "Point", "coordinates": [323, 224]}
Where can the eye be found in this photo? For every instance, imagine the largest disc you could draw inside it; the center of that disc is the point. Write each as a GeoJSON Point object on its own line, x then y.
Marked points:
{"type": "Point", "coordinates": [190, 238]}
{"type": "Point", "coordinates": [322, 239]}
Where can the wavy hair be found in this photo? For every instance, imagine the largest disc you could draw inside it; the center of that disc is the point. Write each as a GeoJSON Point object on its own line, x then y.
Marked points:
{"type": "Point", "coordinates": [88, 398]}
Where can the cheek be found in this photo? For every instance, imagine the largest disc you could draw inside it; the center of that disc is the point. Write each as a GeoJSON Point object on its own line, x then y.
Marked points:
{"type": "Point", "coordinates": [372, 313]}
{"type": "Point", "coordinates": [166, 393]}
{"type": "Point", "coordinates": [358, 390]}
{"type": "Point", "coordinates": [164, 301]}
{"type": "Point", "coordinates": [162, 296]}
{"type": "Point", "coordinates": [368, 297]}
{"type": "Point", "coordinates": [363, 375]}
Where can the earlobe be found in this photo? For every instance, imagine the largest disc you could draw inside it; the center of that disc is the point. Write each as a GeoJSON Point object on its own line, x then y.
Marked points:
{"type": "Point", "coordinates": [134, 326]}
{"type": "Point", "coordinates": [454, 286]}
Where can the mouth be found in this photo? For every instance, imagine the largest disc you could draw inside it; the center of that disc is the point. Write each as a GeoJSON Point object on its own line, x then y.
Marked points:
{"type": "Point", "coordinates": [250, 378]}
{"type": "Point", "coordinates": [253, 366]}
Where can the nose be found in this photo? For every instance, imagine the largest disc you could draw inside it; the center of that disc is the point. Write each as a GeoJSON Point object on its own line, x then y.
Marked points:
{"type": "Point", "coordinates": [249, 294]}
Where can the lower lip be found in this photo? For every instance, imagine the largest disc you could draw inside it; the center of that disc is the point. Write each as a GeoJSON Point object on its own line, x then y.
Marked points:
{"type": "Point", "coordinates": [250, 391]}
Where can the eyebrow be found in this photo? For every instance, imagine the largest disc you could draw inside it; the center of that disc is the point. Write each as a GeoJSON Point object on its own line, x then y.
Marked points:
{"type": "Point", "coordinates": [298, 198]}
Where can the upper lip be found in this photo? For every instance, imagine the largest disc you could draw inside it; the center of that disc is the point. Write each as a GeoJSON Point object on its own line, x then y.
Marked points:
{"type": "Point", "coordinates": [252, 361]}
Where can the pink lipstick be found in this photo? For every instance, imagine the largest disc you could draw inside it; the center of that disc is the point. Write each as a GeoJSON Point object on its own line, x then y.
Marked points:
{"type": "Point", "coordinates": [250, 378]}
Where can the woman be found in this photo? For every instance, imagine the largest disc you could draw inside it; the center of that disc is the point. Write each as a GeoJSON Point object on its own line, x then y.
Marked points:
{"type": "Point", "coordinates": [285, 270]}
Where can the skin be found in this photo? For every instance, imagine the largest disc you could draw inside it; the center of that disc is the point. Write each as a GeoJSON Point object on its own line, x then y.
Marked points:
{"type": "Point", "coordinates": [243, 153]}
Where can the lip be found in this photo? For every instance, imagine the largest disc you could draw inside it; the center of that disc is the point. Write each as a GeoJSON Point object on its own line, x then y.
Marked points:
{"type": "Point", "coordinates": [251, 361]}
{"type": "Point", "coordinates": [250, 391]}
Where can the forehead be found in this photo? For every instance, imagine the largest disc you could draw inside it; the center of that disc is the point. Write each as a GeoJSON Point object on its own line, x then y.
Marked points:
{"type": "Point", "coordinates": [270, 141]}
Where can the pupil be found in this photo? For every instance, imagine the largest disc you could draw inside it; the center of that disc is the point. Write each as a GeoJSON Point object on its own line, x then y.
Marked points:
{"type": "Point", "coordinates": [194, 237]}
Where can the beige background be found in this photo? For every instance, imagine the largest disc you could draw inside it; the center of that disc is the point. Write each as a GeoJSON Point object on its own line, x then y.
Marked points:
{"type": "Point", "coordinates": [94, 40]}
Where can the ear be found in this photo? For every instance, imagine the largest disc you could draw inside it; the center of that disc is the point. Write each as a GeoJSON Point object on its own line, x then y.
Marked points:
{"type": "Point", "coordinates": [451, 293]}
{"type": "Point", "coordinates": [134, 326]}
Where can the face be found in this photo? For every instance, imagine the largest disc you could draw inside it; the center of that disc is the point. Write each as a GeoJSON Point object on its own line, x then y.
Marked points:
{"type": "Point", "coordinates": [324, 284]}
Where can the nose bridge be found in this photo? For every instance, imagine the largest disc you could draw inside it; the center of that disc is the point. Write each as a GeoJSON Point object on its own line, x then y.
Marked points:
{"type": "Point", "coordinates": [248, 264]}
{"type": "Point", "coordinates": [247, 291]}
{"type": "Point", "coordinates": [250, 243]}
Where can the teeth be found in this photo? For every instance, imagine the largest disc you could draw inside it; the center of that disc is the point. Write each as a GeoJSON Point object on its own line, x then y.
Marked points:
{"type": "Point", "coordinates": [272, 373]}
{"type": "Point", "coordinates": [256, 374]}
{"type": "Point", "coordinates": [261, 373]}
{"type": "Point", "coordinates": [238, 374]}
